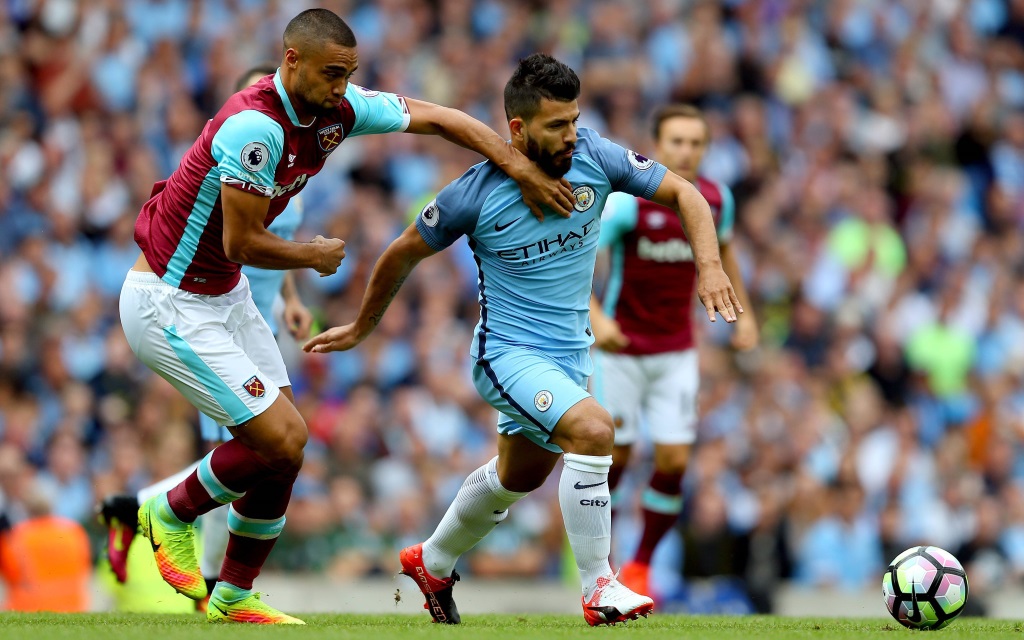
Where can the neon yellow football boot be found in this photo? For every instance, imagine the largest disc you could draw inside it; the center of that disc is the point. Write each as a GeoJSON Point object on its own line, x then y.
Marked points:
{"type": "Point", "coordinates": [174, 547]}
{"type": "Point", "coordinates": [231, 604]}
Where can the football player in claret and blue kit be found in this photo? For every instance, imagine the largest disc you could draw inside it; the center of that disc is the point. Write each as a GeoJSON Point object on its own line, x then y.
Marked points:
{"type": "Point", "coordinates": [531, 348]}
{"type": "Point", "coordinates": [186, 308]}
{"type": "Point", "coordinates": [647, 363]}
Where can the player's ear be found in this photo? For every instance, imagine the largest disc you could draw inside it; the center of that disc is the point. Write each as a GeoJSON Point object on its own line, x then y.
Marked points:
{"type": "Point", "coordinates": [291, 58]}
{"type": "Point", "coordinates": [516, 127]}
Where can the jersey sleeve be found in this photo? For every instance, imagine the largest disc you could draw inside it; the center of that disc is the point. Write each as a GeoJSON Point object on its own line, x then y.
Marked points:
{"type": "Point", "coordinates": [376, 111]}
{"type": "Point", "coordinates": [247, 148]}
{"type": "Point", "coordinates": [448, 217]}
{"type": "Point", "coordinates": [626, 170]}
{"type": "Point", "coordinates": [618, 218]}
{"type": "Point", "coordinates": [727, 216]}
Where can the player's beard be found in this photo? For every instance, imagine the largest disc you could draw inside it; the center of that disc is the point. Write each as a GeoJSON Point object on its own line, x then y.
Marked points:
{"type": "Point", "coordinates": [312, 104]}
{"type": "Point", "coordinates": [549, 163]}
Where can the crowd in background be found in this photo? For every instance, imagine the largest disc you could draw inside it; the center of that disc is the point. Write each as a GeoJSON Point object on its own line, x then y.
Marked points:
{"type": "Point", "coordinates": [876, 152]}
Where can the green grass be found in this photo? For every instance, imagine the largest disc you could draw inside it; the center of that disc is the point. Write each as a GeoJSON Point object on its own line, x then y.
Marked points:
{"type": "Point", "coordinates": [527, 627]}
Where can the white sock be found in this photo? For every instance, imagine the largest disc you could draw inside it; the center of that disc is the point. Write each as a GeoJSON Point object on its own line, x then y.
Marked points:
{"type": "Point", "coordinates": [214, 529]}
{"type": "Point", "coordinates": [480, 505]}
{"type": "Point", "coordinates": [166, 484]}
{"type": "Point", "coordinates": [586, 510]}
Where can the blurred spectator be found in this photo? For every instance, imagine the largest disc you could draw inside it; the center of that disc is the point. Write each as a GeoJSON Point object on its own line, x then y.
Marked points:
{"type": "Point", "coordinates": [45, 560]}
{"type": "Point", "coordinates": [845, 529]}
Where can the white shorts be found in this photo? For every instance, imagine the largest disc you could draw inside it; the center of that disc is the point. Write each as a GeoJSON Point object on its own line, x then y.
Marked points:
{"type": "Point", "coordinates": [216, 350]}
{"type": "Point", "coordinates": [661, 387]}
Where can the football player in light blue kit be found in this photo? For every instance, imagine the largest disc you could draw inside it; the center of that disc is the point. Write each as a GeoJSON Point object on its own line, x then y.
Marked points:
{"type": "Point", "coordinates": [266, 287]}
{"type": "Point", "coordinates": [531, 345]}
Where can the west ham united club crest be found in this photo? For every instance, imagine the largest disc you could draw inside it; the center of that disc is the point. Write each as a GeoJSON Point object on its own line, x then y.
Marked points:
{"type": "Point", "coordinates": [330, 137]}
{"type": "Point", "coordinates": [255, 387]}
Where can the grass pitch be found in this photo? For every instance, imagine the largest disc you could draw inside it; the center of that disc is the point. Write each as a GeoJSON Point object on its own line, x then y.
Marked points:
{"type": "Point", "coordinates": [487, 627]}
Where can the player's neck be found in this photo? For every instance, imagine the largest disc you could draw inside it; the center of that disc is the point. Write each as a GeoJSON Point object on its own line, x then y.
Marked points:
{"type": "Point", "coordinates": [305, 118]}
{"type": "Point", "coordinates": [520, 146]}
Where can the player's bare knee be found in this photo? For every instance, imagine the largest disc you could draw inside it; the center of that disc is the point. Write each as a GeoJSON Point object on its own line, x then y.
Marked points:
{"type": "Point", "coordinates": [283, 452]}
{"type": "Point", "coordinates": [671, 459]}
{"type": "Point", "coordinates": [592, 437]}
{"type": "Point", "coordinates": [674, 469]}
{"type": "Point", "coordinates": [293, 447]}
{"type": "Point", "coordinates": [620, 456]}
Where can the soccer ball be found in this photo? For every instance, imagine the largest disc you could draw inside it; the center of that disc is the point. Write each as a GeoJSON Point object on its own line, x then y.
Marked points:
{"type": "Point", "coordinates": [925, 588]}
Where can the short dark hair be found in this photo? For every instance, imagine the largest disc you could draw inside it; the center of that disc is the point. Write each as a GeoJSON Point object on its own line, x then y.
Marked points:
{"type": "Point", "coordinates": [539, 76]}
{"type": "Point", "coordinates": [318, 27]}
{"type": "Point", "coordinates": [670, 111]}
{"type": "Point", "coordinates": [261, 70]}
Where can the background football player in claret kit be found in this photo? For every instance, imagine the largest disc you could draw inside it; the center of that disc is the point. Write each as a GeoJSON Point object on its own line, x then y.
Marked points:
{"type": "Point", "coordinates": [187, 312]}
{"type": "Point", "coordinates": [648, 365]}
{"type": "Point", "coordinates": [532, 344]}
{"type": "Point", "coordinates": [271, 289]}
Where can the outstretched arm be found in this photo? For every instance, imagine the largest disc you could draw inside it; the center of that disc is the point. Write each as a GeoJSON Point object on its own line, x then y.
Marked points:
{"type": "Point", "coordinates": [391, 270]}
{"type": "Point", "coordinates": [713, 286]}
{"type": "Point", "coordinates": [746, 334]}
{"type": "Point", "coordinates": [539, 189]}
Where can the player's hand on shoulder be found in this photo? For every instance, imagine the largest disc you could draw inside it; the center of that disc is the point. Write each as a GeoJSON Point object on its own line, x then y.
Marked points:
{"type": "Point", "coordinates": [330, 253]}
{"type": "Point", "coordinates": [335, 339]}
{"type": "Point", "coordinates": [608, 334]}
{"type": "Point", "coordinates": [541, 190]}
{"type": "Point", "coordinates": [746, 335]}
{"type": "Point", "coordinates": [717, 295]}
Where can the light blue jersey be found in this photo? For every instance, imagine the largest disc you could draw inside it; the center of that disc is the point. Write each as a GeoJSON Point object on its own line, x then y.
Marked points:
{"type": "Point", "coordinates": [532, 342]}
{"type": "Point", "coordinates": [265, 284]}
{"type": "Point", "coordinates": [536, 277]}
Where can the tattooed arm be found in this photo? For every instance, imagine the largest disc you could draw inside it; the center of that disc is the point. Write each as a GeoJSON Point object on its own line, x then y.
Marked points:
{"type": "Point", "coordinates": [391, 270]}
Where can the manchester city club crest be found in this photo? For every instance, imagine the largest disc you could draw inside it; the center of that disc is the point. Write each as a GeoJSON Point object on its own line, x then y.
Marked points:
{"type": "Point", "coordinates": [542, 400]}
{"type": "Point", "coordinates": [330, 137]}
{"type": "Point", "coordinates": [584, 197]}
{"type": "Point", "coordinates": [255, 387]}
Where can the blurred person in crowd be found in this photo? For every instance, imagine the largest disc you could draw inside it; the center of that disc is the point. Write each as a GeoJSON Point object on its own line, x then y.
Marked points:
{"type": "Point", "coordinates": [648, 365]}
{"type": "Point", "coordinates": [16, 476]}
{"type": "Point", "coordinates": [45, 560]}
{"type": "Point", "coordinates": [983, 557]}
{"type": "Point", "coordinates": [64, 477]}
{"type": "Point", "coordinates": [188, 314]}
{"type": "Point", "coordinates": [271, 289]}
{"type": "Point", "coordinates": [532, 342]}
{"type": "Point", "coordinates": [842, 548]}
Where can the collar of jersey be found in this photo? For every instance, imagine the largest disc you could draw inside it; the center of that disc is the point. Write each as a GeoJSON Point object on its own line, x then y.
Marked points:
{"type": "Point", "coordinates": [288, 103]}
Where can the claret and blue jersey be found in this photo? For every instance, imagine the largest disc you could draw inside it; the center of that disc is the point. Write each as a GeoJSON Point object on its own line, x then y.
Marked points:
{"type": "Point", "coordinates": [257, 143]}
{"type": "Point", "coordinates": [531, 345]}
